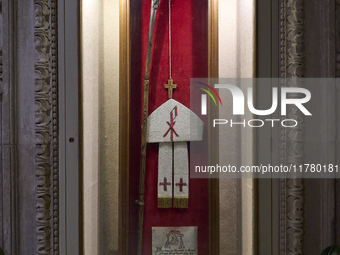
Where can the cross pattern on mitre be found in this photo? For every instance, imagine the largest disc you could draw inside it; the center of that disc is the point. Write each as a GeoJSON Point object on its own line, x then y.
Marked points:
{"type": "Point", "coordinates": [172, 125]}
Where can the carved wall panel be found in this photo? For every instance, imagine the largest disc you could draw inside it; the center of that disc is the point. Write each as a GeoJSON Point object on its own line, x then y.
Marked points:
{"type": "Point", "coordinates": [29, 172]}
{"type": "Point", "coordinates": [336, 235]}
{"type": "Point", "coordinates": [1, 46]}
{"type": "Point", "coordinates": [8, 148]}
{"type": "Point", "coordinates": [310, 47]}
{"type": "Point", "coordinates": [46, 125]}
{"type": "Point", "coordinates": [338, 39]}
{"type": "Point", "coordinates": [291, 139]}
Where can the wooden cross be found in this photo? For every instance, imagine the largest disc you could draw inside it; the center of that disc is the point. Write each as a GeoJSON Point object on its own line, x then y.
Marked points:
{"type": "Point", "coordinates": [170, 86]}
{"type": "Point", "coordinates": [181, 184]}
{"type": "Point", "coordinates": [165, 184]}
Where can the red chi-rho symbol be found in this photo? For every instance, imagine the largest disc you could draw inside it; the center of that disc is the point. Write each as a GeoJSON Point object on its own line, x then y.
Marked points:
{"type": "Point", "coordinates": [171, 124]}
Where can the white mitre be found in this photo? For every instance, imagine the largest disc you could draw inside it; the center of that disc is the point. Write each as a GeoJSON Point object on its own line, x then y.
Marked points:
{"type": "Point", "coordinates": [188, 125]}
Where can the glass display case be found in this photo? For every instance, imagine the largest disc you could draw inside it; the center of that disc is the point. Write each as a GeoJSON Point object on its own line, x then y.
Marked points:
{"type": "Point", "coordinates": [188, 50]}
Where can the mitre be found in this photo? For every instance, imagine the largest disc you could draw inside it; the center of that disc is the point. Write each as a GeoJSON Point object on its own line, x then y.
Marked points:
{"type": "Point", "coordinates": [172, 125]}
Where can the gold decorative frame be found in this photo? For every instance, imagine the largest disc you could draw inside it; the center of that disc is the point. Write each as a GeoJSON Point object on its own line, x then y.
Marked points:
{"type": "Point", "coordinates": [124, 103]}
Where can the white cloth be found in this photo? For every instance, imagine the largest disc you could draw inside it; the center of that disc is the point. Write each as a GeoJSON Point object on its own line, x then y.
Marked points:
{"type": "Point", "coordinates": [181, 173]}
{"type": "Point", "coordinates": [165, 170]}
{"type": "Point", "coordinates": [173, 124]}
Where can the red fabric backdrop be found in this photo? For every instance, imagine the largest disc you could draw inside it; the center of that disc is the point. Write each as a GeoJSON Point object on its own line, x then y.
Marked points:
{"type": "Point", "coordinates": [189, 60]}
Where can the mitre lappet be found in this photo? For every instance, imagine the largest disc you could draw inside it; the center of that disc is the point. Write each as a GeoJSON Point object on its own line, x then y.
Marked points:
{"type": "Point", "coordinates": [173, 125]}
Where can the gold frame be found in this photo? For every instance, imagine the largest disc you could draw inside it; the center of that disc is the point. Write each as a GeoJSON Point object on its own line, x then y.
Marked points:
{"type": "Point", "coordinates": [124, 124]}
{"type": "Point", "coordinates": [214, 198]}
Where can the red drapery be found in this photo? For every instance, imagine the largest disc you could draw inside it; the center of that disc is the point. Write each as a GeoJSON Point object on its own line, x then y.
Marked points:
{"type": "Point", "coordinates": [189, 60]}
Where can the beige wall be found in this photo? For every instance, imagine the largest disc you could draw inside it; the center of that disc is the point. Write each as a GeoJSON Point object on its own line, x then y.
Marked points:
{"type": "Point", "coordinates": [100, 28]}
{"type": "Point", "coordinates": [229, 188]}
{"type": "Point", "coordinates": [246, 41]}
{"type": "Point", "coordinates": [91, 11]}
{"type": "Point", "coordinates": [236, 60]}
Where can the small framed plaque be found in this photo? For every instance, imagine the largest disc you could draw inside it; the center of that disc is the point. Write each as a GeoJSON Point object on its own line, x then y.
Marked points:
{"type": "Point", "coordinates": [174, 240]}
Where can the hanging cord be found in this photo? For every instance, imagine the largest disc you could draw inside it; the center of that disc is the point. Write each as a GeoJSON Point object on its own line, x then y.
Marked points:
{"type": "Point", "coordinates": [170, 71]}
